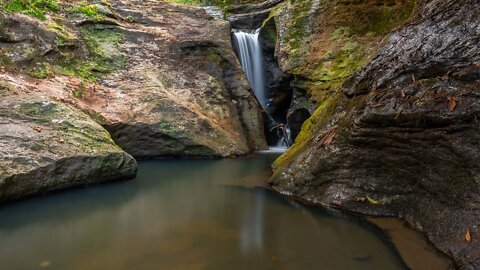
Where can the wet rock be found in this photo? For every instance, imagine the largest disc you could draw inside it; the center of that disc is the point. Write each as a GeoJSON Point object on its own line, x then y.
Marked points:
{"type": "Point", "coordinates": [404, 132]}
{"type": "Point", "coordinates": [23, 38]}
{"type": "Point", "coordinates": [249, 21]}
{"type": "Point", "coordinates": [300, 110]}
{"type": "Point", "coordinates": [46, 145]}
{"type": "Point", "coordinates": [321, 43]}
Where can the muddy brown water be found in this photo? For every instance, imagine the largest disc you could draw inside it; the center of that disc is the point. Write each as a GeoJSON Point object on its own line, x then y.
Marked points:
{"type": "Point", "coordinates": [188, 214]}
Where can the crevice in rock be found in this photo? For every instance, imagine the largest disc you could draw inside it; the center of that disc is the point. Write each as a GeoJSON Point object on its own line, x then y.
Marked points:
{"type": "Point", "coordinates": [285, 107]}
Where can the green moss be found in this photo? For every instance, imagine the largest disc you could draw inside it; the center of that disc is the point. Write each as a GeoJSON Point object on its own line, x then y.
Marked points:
{"type": "Point", "coordinates": [98, 117]}
{"type": "Point", "coordinates": [4, 59]}
{"type": "Point", "coordinates": [40, 112]}
{"type": "Point", "coordinates": [41, 71]}
{"type": "Point", "coordinates": [69, 122]}
{"type": "Point", "coordinates": [35, 8]}
{"type": "Point", "coordinates": [335, 67]}
{"type": "Point", "coordinates": [79, 93]}
{"type": "Point", "coordinates": [296, 32]}
{"type": "Point", "coordinates": [275, 12]}
{"type": "Point", "coordinates": [168, 128]}
{"type": "Point", "coordinates": [87, 9]}
{"type": "Point", "coordinates": [341, 33]}
{"type": "Point", "coordinates": [380, 20]}
{"type": "Point", "coordinates": [64, 36]}
{"type": "Point", "coordinates": [309, 130]}
{"type": "Point", "coordinates": [105, 56]}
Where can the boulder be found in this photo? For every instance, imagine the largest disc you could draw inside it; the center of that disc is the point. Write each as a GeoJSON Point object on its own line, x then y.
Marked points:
{"type": "Point", "coordinates": [162, 79]}
{"type": "Point", "coordinates": [402, 137]}
{"type": "Point", "coordinates": [46, 145]}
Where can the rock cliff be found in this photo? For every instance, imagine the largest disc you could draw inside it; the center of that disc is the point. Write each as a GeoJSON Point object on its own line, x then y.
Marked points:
{"type": "Point", "coordinates": [161, 80]}
{"type": "Point", "coordinates": [396, 132]}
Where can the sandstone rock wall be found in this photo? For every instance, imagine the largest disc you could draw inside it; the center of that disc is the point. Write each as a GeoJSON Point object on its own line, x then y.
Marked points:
{"type": "Point", "coordinates": [401, 137]}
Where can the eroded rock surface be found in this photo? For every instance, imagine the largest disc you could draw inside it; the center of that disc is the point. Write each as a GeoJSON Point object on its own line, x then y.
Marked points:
{"type": "Point", "coordinates": [405, 133]}
{"type": "Point", "coordinates": [46, 145]}
{"type": "Point", "coordinates": [162, 79]}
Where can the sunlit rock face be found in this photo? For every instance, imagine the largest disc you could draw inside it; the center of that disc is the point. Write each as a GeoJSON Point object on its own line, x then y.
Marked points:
{"type": "Point", "coordinates": [162, 79]}
{"type": "Point", "coordinates": [403, 130]}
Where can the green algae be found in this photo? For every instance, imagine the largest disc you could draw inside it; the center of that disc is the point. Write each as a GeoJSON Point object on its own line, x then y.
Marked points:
{"type": "Point", "coordinates": [309, 129]}
{"type": "Point", "coordinates": [273, 13]}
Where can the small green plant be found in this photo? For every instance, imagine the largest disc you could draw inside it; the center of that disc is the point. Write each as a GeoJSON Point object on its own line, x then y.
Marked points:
{"type": "Point", "coordinates": [87, 9]}
{"type": "Point", "coordinates": [35, 8]}
{"type": "Point", "coordinates": [41, 71]}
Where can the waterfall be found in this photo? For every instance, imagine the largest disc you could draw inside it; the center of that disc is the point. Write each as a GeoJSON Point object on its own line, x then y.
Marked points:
{"type": "Point", "coordinates": [250, 54]}
{"type": "Point", "coordinates": [251, 58]}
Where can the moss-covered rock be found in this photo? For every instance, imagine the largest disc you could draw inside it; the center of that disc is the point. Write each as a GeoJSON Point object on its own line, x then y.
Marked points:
{"type": "Point", "coordinates": [403, 132]}
{"type": "Point", "coordinates": [324, 42]}
{"type": "Point", "coordinates": [46, 145]}
{"type": "Point", "coordinates": [138, 67]}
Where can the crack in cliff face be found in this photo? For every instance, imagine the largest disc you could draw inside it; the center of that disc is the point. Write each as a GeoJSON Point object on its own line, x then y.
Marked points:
{"type": "Point", "coordinates": [448, 44]}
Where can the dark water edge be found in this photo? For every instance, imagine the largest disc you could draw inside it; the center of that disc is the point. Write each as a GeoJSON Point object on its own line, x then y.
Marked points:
{"type": "Point", "coordinates": [188, 214]}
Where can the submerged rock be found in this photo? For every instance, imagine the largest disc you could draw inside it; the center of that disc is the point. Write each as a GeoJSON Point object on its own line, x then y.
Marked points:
{"type": "Point", "coordinates": [46, 145]}
{"type": "Point", "coordinates": [402, 137]}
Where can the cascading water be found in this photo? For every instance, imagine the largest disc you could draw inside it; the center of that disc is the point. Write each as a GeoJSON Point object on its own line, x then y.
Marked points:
{"type": "Point", "coordinates": [251, 58]}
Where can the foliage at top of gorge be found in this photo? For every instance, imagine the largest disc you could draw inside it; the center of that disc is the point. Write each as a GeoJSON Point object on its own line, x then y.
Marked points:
{"type": "Point", "coordinates": [222, 3]}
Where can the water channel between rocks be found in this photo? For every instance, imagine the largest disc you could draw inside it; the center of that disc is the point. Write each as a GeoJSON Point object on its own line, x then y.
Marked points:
{"type": "Point", "coordinates": [187, 214]}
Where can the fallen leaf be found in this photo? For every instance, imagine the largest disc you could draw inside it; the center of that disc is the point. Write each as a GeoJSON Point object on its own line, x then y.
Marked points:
{"type": "Point", "coordinates": [468, 237]}
{"type": "Point", "coordinates": [453, 104]}
{"type": "Point", "coordinates": [330, 138]}
{"type": "Point", "coordinates": [37, 129]}
{"type": "Point", "coordinates": [372, 201]}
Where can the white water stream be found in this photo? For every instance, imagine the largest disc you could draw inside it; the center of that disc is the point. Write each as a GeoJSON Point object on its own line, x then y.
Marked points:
{"type": "Point", "coordinates": [251, 58]}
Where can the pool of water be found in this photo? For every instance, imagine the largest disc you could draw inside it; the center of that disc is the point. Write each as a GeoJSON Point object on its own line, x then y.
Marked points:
{"type": "Point", "coordinates": [187, 214]}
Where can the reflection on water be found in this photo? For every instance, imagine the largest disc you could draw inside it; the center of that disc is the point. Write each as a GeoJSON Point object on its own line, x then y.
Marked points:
{"type": "Point", "coordinates": [186, 214]}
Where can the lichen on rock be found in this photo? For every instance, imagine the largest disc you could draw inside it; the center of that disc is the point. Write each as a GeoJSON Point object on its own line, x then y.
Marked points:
{"type": "Point", "coordinates": [323, 42]}
{"type": "Point", "coordinates": [404, 132]}
{"type": "Point", "coordinates": [141, 64]}
{"type": "Point", "coordinates": [46, 145]}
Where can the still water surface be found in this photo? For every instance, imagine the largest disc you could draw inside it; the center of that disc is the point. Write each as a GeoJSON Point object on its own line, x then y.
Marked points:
{"type": "Point", "coordinates": [186, 214]}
